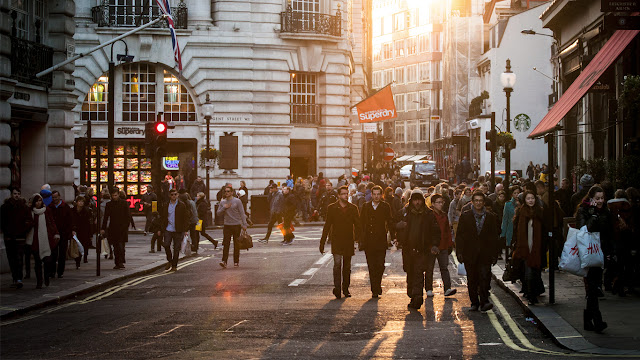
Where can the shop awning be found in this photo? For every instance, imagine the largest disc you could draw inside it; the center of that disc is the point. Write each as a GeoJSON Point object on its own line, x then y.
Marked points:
{"type": "Point", "coordinates": [416, 157]}
{"type": "Point", "coordinates": [600, 63]}
{"type": "Point", "coordinates": [404, 157]}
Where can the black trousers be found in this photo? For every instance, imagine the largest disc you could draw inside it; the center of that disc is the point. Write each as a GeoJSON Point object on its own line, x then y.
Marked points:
{"type": "Point", "coordinates": [15, 255]}
{"type": "Point", "coordinates": [478, 282]}
{"type": "Point", "coordinates": [416, 274]}
{"type": "Point", "coordinates": [156, 239]}
{"type": "Point", "coordinates": [58, 257]}
{"type": "Point", "coordinates": [41, 263]}
{"type": "Point", "coordinates": [118, 252]}
{"type": "Point", "coordinates": [149, 215]}
{"type": "Point", "coordinates": [594, 281]}
{"type": "Point", "coordinates": [341, 272]}
{"type": "Point", "coordinates": [195, 238]}
{"type": "Point", "coordinates": [274, 218]}
{"type": "Point", "coordinates": [229, 231]}
{"type": "Point", "coordinates": [375, 262]}
{"type": "Point", "coordinates": [207, 236]}
{"type": "Point", "coordinates": [175, 238]}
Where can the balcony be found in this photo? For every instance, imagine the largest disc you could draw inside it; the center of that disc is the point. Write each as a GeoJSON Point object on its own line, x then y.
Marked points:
{"type": "Point", "coordinates": [29, 58]}
{"type": "Point", "coordinates": [305, 114]}
{"type": "Point", "coordinates": [106, 15]}
{"type": "Point", "coordinates": [297, 22]}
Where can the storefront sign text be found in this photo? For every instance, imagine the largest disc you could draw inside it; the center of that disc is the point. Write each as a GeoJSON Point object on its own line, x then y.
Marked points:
{"type": "Point", "coordinates": [230, 119]}
{"type": "Point", "coordinates": [170, 163]}
{"type": "Point", "coordinates": [125, 130]}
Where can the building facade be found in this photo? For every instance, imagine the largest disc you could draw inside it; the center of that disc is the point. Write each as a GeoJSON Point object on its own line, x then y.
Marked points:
{"type": "Point", "coordinates": [279, 74]}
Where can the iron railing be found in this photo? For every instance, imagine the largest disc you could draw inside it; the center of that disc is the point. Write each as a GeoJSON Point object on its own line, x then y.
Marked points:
{"type": "Point", "coordinates": [107, 15]}
{"type": "Point", "coordinates": [309, 22]}
{"type": "Point", "coordinates": [29, 58]}
{"type": "Point", "coordinates": [308, 114]}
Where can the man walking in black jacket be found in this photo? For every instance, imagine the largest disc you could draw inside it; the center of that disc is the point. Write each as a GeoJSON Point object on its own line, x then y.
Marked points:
{"type": "Point", "coordinates": [478, 246]}
{"type": "Point", "coordinates": [64, 222]}
{"type": "Point", "coordinates": [343, 227]}
{"type": "Point", "coordinates": [16, 221]}
{"type": "Point", "coordinates": [376, 221]}
{"type": "Point", "coordinates": [117, 216]}
{"type": "Point", "coordinates": [175, 222]}
{"type": "Point", "coordinates": [419, 233]}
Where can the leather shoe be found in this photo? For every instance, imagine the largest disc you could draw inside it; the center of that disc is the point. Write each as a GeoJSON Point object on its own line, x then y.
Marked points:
{"type": "Point", "coordinates": [336, 293]}
{"type": "Point", "coordinates": [473, 308]}
{"type": "Point", "coordinates": [486, 307]}
{"type": "Point", "coordinates": [347, 294]}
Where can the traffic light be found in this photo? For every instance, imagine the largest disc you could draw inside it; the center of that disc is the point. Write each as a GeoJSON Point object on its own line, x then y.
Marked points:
{"type": "Point", "coordinates": [491, 140]}
{"type": "Point", "coordinates": [160, 133]}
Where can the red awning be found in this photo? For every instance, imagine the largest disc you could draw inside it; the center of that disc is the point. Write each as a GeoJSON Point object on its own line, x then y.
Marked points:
{"type": "Point", "coordinates": [600, 63]}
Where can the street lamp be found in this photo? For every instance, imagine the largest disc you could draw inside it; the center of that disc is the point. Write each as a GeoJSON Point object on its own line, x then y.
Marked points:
{"type": "Point", "coordinates": [508, 80]}
{"type": "Point", "coordinates": [533, 32]}
{"type": "Point", "coordinates": [207, 111]}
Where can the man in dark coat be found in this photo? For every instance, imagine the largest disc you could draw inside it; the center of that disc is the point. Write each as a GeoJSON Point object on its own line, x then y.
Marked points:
{"type": "Point", "coordinates": [63, 217]}
{"type": "Point", "coordinates": [175, 221]}
{"type": "Point", "coordinates": [478, 247]}
{"type": "Point", "coordinates": [328, 197]}
{"type": "Point", "coordinates": [419, 232]}
{"type": "Point", "coordinates": [16, 222]}
{"type": "Point", "coordinates": [276, 204]}
{"type": "Point", "coordinates": [376, 220]}
{"type": "Point", "coordinates": [343, 228]}
{"type": "Point", "coordinates": [197, 187]}
{"type": "Point", "coordinates": [115, 224]}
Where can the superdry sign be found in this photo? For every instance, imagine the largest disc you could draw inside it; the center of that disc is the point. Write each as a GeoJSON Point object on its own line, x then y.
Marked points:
{"type": "Point", "coordinates": [377, 107]}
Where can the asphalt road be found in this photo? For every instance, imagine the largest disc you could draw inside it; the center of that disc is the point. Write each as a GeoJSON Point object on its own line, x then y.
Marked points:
{"type": "Point", "coordinates": [277, 305]}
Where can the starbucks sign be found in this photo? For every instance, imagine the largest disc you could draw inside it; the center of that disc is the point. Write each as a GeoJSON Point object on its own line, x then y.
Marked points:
{"type": "Point", "coordinates": [522, 122]}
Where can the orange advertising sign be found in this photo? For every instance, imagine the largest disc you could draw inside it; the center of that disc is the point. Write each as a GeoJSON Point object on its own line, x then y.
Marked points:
{"type": "Point", "coordinates": [377, 107]}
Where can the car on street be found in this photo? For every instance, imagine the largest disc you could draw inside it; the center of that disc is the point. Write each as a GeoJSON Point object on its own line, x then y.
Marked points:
{"type": "Point", "coordinates": [405, 171]}
{"type": "Point", "coordinates": [424, 173]}
{"type": "Point", "coordinates": [501, 174]}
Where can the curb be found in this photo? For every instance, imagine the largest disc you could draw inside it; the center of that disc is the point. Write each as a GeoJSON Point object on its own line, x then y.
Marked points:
{"type": "Point", "coordinates": [562, 333]}
{"type": "Point", "coordinates": [85, 288]}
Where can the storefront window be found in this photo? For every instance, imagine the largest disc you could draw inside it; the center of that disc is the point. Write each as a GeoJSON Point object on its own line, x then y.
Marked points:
{"type": "Point", "coordinates": [178, 105]}
{"type": "Point", "coordinates": [138, 92]}
{"type": "Point", "coordinates": [94, 107]}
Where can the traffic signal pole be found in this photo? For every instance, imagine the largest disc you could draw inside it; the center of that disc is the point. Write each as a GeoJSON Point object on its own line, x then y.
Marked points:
{"type": "Point", "coordinates": [493, 153]}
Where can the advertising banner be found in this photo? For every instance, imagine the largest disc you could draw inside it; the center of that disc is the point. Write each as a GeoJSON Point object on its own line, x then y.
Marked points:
{"type": "Point", "coordinates": [377, 107]}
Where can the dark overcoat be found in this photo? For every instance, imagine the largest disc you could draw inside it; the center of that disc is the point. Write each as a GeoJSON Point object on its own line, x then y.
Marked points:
{"type": "Point", "coordinates": [343, 227]}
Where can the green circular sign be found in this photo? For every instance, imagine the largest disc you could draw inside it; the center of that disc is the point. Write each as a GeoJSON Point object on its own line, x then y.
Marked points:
{"type": "Point", "coordinates": [522, 122]}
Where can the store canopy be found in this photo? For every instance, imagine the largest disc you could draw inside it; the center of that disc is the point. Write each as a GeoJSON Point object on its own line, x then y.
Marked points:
{"type": "Point", "coordinates": [404, 157]}
{"type": "Point", "coordinates": [416, 157]}
{"type": "Point", "coordinates": [600, 63]}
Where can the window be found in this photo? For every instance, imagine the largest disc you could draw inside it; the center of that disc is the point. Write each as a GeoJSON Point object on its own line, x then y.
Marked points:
{"type": "Point", "coordinates": [387, 77]}
{"type": "Point", "coordinates": [398, 75]}
{"type": "Point", "coordinates": [412, 20]}
{"type": "Point", "coordinates": [94, 107]}
{"type": "Point", "coordinates": [377, 52]}
{"type": "Point", "coordinates": [425, 99]}
{"type": "Point", "coordinates": [377, 27]}
{"type": "Point", "coordinates": [435, 41]}
{"type": "Point", "coordinates": [423, 43]}
{"type": "Point", "coordinates": [377, 79]}
{"type": "Point", "coordinates": [178, 105]}
{"type": "Point", "coordinates": [436, 70]}
{"type": "Point", "coordinates": [400, 131]}
{"type": "Point", "coordinates": [399, 47]}
{"type": "Point", "coordinates": [412, 101]}
{"type": "Point", "coordinates": [411, 46]}
{"type": "Point", "coordinates": [303, 93]}
{"type": "Point", "coordinates": [30, 19]}
{"type": "Point", "coordinates": [423, 16]}
{"type": "Point", "coordinates": [387, 52]}
{"type": "Point", "coordinates": [412, 131]}
{"type": "Point", "coordinates": [138, 92]}
{"type": "Point", "coordinates": [398, 21]}
{"type": "Point", "coordinates": [386, 25]}
{"type": "Point", "coordinates": [412, 73]}
{"type": "Point", "coordinates": [424, 71]}
{"type": "Point", "coordinates": [423, 131]}
{"type": "Point", "coordinates": [398, 99]}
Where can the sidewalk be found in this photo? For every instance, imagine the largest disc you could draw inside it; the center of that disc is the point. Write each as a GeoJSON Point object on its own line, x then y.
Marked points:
{"type": "Point", "coordinates": [83, 280]}
{"type": "Point", "coordinates": [563, 320]}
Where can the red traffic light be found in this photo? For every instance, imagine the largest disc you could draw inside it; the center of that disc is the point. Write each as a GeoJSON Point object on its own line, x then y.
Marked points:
{"type": "Point", "coordinates": [161, 127]}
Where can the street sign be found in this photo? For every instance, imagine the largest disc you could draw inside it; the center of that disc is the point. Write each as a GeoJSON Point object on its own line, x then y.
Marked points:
{"type": "Point", "coordinates": [619, 5]}
{"type": "Point", "coordinates": [370, 127]}
{"type": "Point", "coordinates": [615, 22]}
{"type": "Point", "coordinates": [389, 154]}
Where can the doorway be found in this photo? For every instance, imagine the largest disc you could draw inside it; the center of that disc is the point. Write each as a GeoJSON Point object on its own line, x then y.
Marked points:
{"type": "Point", "coordinates": [303, 158]}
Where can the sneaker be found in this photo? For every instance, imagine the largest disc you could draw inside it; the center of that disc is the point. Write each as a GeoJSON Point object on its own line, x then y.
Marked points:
{"type": "Point", "coordinates": [236, 264]}
{"type": "Point", "coordinates": [174, 268]}
{"type": "Point", "coordinates": [223, 264]}
{"type": "Point", "coordinates": [152, 251]}
{"type": "Point", "coordinates": [429, 293]}
{"type": "Point", "coordinates": [167, 267]}
{"type": "Point", "coordinates": [19, 284]}
{"type": "Point", "coordinates": [146, 233]}
{"type": "Point", "coordinates": [486, 307]}
{"type": "Point", "coordinates": [347, 294]}
{"type": "Point", "coordinates": [287, 243]}
{"type": "Point", "coordinates": [450, 292]}
{"type": "Point", "coordinates": [473, 308]}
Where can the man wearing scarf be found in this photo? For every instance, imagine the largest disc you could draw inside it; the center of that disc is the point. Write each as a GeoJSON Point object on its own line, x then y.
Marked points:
{"type": "Point", "coordinates": [478, 246]}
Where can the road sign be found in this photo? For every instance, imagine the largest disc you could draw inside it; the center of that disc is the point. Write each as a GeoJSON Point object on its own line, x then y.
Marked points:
{"type": "Point", "coordinates": [389, 154]}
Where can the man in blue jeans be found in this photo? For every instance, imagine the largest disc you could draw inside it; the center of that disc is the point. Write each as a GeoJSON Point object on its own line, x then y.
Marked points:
{"type": "Point", "coordinates": [234, 219]}
{"type": "Point", "coordinates": [175, 222]}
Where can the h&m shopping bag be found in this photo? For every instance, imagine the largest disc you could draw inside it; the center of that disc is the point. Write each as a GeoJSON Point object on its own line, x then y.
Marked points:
{"type": "Point", "coordinates": [570, 259]}
{"type": "Point", "coordinates": [589, 249]}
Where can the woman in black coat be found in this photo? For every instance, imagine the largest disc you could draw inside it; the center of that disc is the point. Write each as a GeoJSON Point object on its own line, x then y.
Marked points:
{"type": "Point", "coordinates": [593, 213]}
{"type": "Point", "coordinates": [204, 213]}
{"type": "Point", "coordinates": [82, 227]}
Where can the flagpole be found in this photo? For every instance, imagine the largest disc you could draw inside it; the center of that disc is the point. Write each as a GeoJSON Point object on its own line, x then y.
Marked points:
{"type": "Point", "coordinates": [76, 57]}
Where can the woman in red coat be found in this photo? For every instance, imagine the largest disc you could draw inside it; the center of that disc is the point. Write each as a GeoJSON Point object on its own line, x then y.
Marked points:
{"type": "Point", "coordinates": [442, 251]}
{"type": "Point", "coordinates": [42, 237]}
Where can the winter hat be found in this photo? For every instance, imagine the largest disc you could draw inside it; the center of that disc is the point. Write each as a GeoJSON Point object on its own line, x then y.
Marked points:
{"type": "Point", "coordinates": [586, 180]}
{"type": "Point", "coordinates": [398, 191]}
{"type": "Point", "coordinates": [417, 194]}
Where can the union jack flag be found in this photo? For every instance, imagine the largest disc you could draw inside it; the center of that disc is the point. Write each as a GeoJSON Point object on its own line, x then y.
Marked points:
{"type": "Point", "coordinates": [165, 8]}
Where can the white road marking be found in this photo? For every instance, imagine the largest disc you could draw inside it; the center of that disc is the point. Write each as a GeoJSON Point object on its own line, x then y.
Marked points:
{"type": "Point", "coordinates": [310, 271]}
{"type": "Point", "coordinates": [229, 329]}
{"type": "Point", "coordinates": [121, 328]}
{"type": "Point", "coordinates": [297, 282]}
{"type": "Point", "coordinates": [324, 259]}
{"type": "Point", "coordinates": [175, 328]}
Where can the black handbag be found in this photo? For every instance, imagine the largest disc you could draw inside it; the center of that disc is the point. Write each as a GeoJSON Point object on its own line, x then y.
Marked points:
{"type": "Point", "coordinates": [514, 270]}
{"type": "Point", "coordinates": [244, 241]}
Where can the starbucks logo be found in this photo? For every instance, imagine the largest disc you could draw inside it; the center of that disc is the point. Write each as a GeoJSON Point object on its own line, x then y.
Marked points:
{"type": "Point", "coordinates": [522, 122]}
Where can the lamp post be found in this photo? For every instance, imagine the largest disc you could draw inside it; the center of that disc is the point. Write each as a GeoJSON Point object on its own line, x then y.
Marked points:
{"type": "Point", "coordinates": [508, 80]}
{"type": "Point", "coordinates": [207, 111]}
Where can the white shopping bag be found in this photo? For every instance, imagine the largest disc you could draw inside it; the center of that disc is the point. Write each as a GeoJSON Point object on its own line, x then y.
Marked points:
{"type": "Point", "coordinates": [186, 246]}
{"type": "Point", "coordinates": [570, 259]}
{"type": "Point", "coordinates": [462, 271]}
{"type": "Point", "coordinates": [80, 247]}
{"type": "Point", "coordinates": [589, 249]}
{"type": "Point", "coordinates": [104, 247]}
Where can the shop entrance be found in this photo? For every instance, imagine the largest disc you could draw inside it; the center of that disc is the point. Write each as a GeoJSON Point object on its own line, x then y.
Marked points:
{"type": "Point", "coordinates": [303, 158]}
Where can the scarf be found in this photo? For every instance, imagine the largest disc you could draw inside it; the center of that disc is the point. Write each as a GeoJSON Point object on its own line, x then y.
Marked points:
{"type": "Point", "coordinates": [43, 236]}
{"type": "Point", "coordinates": [529, 237]}
{"type": "Point", "coordinates": [479, 216]}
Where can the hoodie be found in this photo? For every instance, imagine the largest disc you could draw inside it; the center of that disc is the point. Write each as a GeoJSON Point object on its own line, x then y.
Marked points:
{"type": "Point", "coordinates": [46, 197]}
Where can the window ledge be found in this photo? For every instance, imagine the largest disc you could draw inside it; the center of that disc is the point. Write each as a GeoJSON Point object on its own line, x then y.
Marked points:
{"type": "Point", "coordinates": [309, 36]}
{"type": "Point", "coordinates": [148, 31]}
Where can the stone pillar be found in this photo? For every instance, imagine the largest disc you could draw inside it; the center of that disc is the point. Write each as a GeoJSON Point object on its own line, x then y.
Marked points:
{"type": "Point", "coordinates": [7, 86]}
{"type": "Point", "coordinates": [199, 12]}
{"type": "Point", "coordinates": [60, 138]}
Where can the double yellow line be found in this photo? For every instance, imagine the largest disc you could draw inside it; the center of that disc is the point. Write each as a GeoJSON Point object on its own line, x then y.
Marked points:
{"type": "Point", "coordinates": [106, 293]}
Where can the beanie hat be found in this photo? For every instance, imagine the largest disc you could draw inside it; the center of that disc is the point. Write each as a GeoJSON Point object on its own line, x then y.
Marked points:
{"type": "Point", "coordinates": [398, 191]}
{"type": "Point", "coordinates": [417, 194]}
{"type": "Point", "coordinates": [586, 180]}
